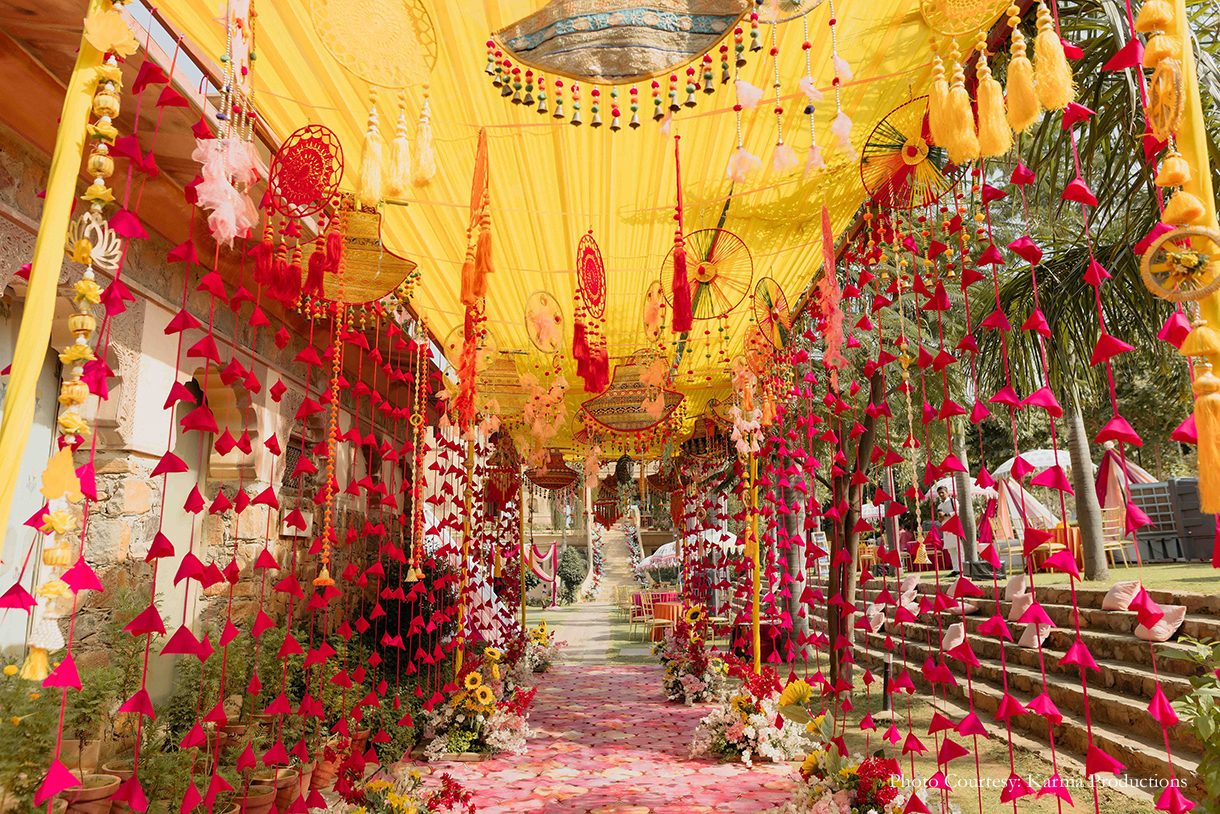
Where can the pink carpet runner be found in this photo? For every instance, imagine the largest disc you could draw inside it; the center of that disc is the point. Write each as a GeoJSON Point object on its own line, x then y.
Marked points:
{"type": "Point", "coordinates": [608, 742]}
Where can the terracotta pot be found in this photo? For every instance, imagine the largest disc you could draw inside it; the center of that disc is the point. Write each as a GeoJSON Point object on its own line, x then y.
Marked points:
{"type": "Point", "coordinates": [360, 740]}
{"type": "Point", "coordinates": [122, 769]}
{"type": "Point", "coordinates": [231, 734]}
{"type": "Point", "coordinates": [72, 756]}
{"type": "Point", "coordinates": [259, 799]}
{"type": "Point", "coordinates": [231, 808]}
{"type": "Point", "coordinates": [93, 796]}
{"type": "Point", "coordinates": [287, 784]}
{"type": "Point", "coordinates": [306, 770]}
{"type": "Point", "coordinates": [323, 775]}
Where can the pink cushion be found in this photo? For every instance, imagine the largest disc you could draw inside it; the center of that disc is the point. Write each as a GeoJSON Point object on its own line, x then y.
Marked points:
{"type": "Point", "coordinates": [1020, 604]}
{"type": "Point", "coordinates": [1119, 597]}
{"type": "Point", "coordinates": [966, 608]}
{"type": "Point", "coordinates": [955, 634]}
{"type": "Point", "coordinates": [1015, 587]}
{"type": "Point", "coordinates": [1034, 635]}
{"type": "Point", "coordinates": [1169, 624]}
{"type": "Point", "coordinates": [909, 582]}
{"type": "Point", "coordinates": [908, 596]}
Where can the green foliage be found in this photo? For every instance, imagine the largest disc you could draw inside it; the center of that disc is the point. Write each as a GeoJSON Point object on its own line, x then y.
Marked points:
{"type": "Point", "coordinates": [29, 725]}
{"type": "Point", "coordinates": [572, 568]}
{"type": "Point", "coordinates": [1199, 710]}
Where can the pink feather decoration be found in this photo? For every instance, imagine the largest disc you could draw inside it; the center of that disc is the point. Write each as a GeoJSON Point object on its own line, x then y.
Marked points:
{"type": "Point", "coordinates": [813, 159]}
{"type": "Point", "coordinates": [742, 163]}
{"type": "Point", "coordinates": [828, 297]}
{"type": "Point", "coordinates": [810, 90]}
{"type": "Point", "coordinates": [748, 96]}
{"type": "Point", "coordinates": [783, 159]}
{"type": "Point", "coordinates": [842, 69]}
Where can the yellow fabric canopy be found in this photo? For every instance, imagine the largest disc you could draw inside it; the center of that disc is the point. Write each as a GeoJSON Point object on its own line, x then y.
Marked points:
{"type": "Point", "coordinates": [552, 182]}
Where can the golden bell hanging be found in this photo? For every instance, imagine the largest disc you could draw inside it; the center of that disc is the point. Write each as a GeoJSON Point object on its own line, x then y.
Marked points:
{"type": "Point", "coordinates": [528, 100]}
{"type": "Point", "coordinates": [597, 119]}
{"type": "Point", "coordinates": [615, 126]}
{"type": "Point", "coordinates": [517, 97]}
{"type": "Point", "coordinates": [576, 118]}
{"type": "Point", "coordinates": [635, 121]}
{"type": "Point", "coordinates": [558, 114]}
{"type": "Point", "coordinates": [542, 106]}
{"type": "Point", "coordinates": [81, 324]}
{"type": "Point", "coordinates": [506, 89]}
{"type": "Point", "coordinates": [658, 114]}
{"type": "Point", "coordinates": [691, 101]}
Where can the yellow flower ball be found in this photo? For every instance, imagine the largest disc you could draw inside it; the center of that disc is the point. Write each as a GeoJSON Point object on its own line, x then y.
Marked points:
{"type": "Point", "coordinates": [10, 670]}
{"type": "Point", "coordinates": [15, 721]}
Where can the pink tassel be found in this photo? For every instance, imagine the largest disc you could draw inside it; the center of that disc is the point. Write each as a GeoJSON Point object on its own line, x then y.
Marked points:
{"type": "Point", "coordinates": [741, 163]}
{"type": "Point", "coordinates": [748, 96]}
{"type": "Point", "coordinates": [842, 69]}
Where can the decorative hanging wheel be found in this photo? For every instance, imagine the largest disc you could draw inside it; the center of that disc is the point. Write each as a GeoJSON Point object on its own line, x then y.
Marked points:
{"type": "Point", "coordinates": [719, 270]}
{"type": "Point", "coordinates": [1166, 102]}
{"type": "Point", "coordinates": [785, 11]}
{"type": "Point", "coordinates": [900, 166]}
{"type": "Point", "coordinates": [771, 313]}
{"type": "Point", "coordinates": [1183, 264]}
{"type": "Point", "coordinates": [544, 322]}
{"type": "Point", "coordinates": [758, 351]}
{"type": "Point", "coordinates": [388, 43]}
{"type": "Point", "coordinates": [654, 299]}
{"type": "Point", "coordinates": [486, 348]}
{"type": "Point", "coordinates": [591, 276]}
{"type": "Point", "coordinates": [306, 172]}
{"type": "Point", "coordinates": [956, 18]}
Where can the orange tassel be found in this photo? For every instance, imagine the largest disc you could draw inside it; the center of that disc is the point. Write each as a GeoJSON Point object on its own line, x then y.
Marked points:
{"type": "Point", "coordinates": [482, 258]}
{"type": "Point", "coordinates": [468, 285]}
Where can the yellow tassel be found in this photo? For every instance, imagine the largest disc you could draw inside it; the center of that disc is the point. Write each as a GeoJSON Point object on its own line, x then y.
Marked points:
{"type": "Point", "coordinates": [1161, 47]}
{"type": "Point", "coordinates": [36, 667]}
{"type": "Point", "coordinates": [399, 177]}
{"type": "Point", "coordinates": [995, 139]}
{"type": "Point", "coordinates": [1155, 15]}
{"type": "Point", "coordinates": [1175, 172]}
{"type": "Point", "coordinates": [1183, 208]}
{"type": "Point", "coordinates": [1207, 424]}
{"type": "Point", "coordinates": [1053, 74]}
{"type": "Point", "coordinates": [1023, 104]}
{"type": "Point", "coordinates": [368, 187]}
{"type": "Point", "coordinates": [938, 101]}
{"type": "Point", "coordinates": [961, 139]}
{"type": "Point", "coordinates": [1203, 340]}
{"type": "Point", "coordinates": [425, 158]}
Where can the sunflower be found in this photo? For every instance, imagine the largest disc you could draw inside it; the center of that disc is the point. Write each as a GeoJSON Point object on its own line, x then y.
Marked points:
{"type": "Point", "coordinates": [797, 694]}
{"type": "Point", "coordinates": [493, 655]}
{"type": "Point", "coordinates": [484, 695]}
{"type": "Point", "coordinates": [694, 614]}
{"type": "Point", "coordinates": [473, 681]}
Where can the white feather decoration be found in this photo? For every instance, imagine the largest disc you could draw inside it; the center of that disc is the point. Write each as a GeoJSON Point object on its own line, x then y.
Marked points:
{"type": "Point", "coordinates": [748, 96]}
{"type": "Point", "coordinates": [810, 90]}
{"type": "Point", "coordinates": [783, 159]}
{"type": "Point", "coordinates": [742, 163]}
{"type": "Point", "coordinates": [841, 127]}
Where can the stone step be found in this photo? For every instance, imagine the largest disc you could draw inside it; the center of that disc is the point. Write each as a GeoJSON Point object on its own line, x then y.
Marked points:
{"type": "Point", "coordinates": [1142, 754]}
{"type": "Point", "coordinates": [1198, 626]}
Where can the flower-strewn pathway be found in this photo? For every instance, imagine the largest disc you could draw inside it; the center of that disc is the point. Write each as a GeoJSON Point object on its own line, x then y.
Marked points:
{"type": "Point", "coordinates": [608, 742]}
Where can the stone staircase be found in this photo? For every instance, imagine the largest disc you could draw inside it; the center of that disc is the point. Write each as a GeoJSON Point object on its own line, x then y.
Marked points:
{"type": "Point", "coordinates": [616, 564]}
{"type": "Point", "coordinates": [1118, 694]}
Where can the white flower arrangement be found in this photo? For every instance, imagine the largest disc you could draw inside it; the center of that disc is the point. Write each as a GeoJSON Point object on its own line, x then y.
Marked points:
{"type": "Point", "coordinates": [745, 727]}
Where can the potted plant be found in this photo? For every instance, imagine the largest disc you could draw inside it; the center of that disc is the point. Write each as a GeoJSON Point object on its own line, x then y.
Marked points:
{"type": "Point", "coordinates": [30, 718]}
{"type": "Point", "coordinates": [260, 798]}
{"type": "Point", "coordinates": [87, 716]}
{"type": "Point", "coordinates": [286, 783]}
{"type": "Point", "coordinates": [93, 794]}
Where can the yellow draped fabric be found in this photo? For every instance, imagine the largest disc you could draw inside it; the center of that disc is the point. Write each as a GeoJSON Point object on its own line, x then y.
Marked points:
{"type": "Point", "coordinates": [552, 182]}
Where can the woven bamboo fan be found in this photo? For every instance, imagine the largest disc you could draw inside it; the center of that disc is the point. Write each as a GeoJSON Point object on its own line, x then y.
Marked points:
{"type": "Point", "coordinates": [370, 269]}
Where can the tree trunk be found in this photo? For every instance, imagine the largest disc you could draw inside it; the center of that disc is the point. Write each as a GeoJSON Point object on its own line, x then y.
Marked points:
{"type": "Point", "coordinates": [1088, 510]}
{"type": "Point", "coordinates": [965, 508]}
{"type": "Point", "coordinates": [843, 577]}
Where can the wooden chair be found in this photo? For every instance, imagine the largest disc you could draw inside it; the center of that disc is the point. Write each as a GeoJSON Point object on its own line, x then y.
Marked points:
{"type": "Point", "coordinates": [1112, 525]}
{"type": "Point", "coordinates": [867, 556]}
{"type": "Point", "coordinates": [655, 623]}
{"type": "Point", "coordinates": [1005, 547]}
{"type": "Point", "coordinates": [636, 614]}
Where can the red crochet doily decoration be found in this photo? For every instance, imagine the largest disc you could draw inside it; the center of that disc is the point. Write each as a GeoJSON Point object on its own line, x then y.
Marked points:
{"type": "Point", "coordinates": [306, 172]}
{"type": "Point", "coordinates": [591, 276]}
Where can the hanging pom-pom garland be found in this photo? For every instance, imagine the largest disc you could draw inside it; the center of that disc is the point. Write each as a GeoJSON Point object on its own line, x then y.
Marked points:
{"type": "Point", "coordinates": [813, 159]}
{"type": "Point", "coordinates": [368, 182]}
{"type": "Point", "coordinates": [784, 158]}
{"type": "Point", "coordinates": [1052, 74]}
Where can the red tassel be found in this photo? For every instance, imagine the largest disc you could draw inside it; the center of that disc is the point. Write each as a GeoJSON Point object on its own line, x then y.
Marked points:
{"type": "Point", "coordinates": [264, 252]}
{"type": "Point", "coordinates": [317, 268]}
{"type": "Point", "coordinates": [334, 248]}
{"type": "Point", "coordinates": [292, 282]}
{"type": "Point", "coordinates": [683, 318]}
{"type": "Point", "coordinates": [580, 351]}
{"type": "Point", "coordinates": [281, 288]}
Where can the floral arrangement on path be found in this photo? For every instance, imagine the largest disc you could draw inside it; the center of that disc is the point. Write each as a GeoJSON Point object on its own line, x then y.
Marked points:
{"type": "Point", "coordinates": [541, 649]}
{"type": "Point", "coordinates": [597, 564]}
{"type": "Point", "coordinates": [837, 783]}
{"type": "Point", "coordinates": [692, 674]}
{"type": "Point", "coordinates": [637, 552]}
{"type": "Point", "coordinates": [384, 793]}
{"type": "Point", "coordinates": [487, 714]}
{"type": "Point", "coordinates": [748, 725]}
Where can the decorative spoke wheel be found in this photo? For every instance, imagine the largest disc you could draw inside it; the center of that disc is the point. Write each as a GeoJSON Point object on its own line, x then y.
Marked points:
{"type": "Point", "coordinates": [1183, 264]}
{"type": "Point", "coordinates": [771, 313]}
{"type": "Point", "coordinates": [718, 269]}
{"type": "Point", "coordinates": [900, 166]}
